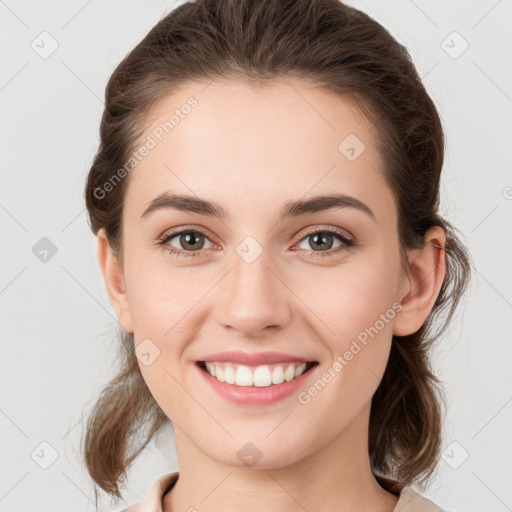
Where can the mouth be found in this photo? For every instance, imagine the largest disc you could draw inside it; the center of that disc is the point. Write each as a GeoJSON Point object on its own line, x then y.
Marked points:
{"type": "Point", "coordinates": [267, 375]}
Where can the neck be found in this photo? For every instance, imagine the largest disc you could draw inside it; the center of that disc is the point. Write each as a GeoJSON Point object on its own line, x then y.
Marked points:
{"type": "Point", "coordinates": [336, 476]}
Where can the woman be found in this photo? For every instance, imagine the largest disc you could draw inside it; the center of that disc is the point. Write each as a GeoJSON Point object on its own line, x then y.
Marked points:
{"type": "Point", "coordinates": [265, 199]}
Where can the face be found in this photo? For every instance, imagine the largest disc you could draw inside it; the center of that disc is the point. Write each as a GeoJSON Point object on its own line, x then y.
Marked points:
{"type": "Point", "coordinates": [319, 284]}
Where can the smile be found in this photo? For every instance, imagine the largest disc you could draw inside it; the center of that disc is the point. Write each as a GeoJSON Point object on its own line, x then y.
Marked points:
{"type": "Point", "coordinates": [256, 376]}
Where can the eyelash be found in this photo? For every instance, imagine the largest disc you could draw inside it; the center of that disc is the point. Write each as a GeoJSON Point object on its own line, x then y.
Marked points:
{"type": "Point", "coordinates": [347, 242]}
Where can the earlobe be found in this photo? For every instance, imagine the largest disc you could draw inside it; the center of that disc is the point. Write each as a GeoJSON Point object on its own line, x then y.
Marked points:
{"type": "Point", "coordinates": [427, 270]}
{"type": "Point", "coordinates": [114, 281]}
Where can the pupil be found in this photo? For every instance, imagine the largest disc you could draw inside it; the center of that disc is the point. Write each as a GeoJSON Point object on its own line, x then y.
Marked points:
{"type": "Point", "coordinates": [323, 237]}
{"type": "Point", "coordinates": [188, 238]}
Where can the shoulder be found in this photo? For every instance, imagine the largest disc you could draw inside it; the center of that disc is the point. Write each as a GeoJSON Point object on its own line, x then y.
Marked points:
{"type": "Point", "coordinates": [409, 500]}
{"type": "Point", "coordinates": [412, 501]}
{"type": "Point", "coordinates": [152, 500]}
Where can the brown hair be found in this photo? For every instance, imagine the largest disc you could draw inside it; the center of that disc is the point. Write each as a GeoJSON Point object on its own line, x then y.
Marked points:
{"type": "Point", "coordinates": [341, 50]}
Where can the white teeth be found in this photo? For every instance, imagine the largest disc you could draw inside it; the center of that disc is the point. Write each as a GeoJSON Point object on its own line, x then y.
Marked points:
{"type": "Point", "coordinates": [229, 374]}
{"type": "Point", "coordinates": [219, 374]}
{"type": "Point", "coordinates": [289, 374]}
{"type": "Point", "coordinates": [278, 375]}
{"type": "Point", "coordinates": [300, 370]}
{"type": "Point", "coordinates": [243, 376]}
{"type": "Point", "coordinates": [260, 376]}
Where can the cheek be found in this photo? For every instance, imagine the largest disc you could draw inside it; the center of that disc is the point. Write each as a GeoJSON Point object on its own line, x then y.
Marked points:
{"type": "Point", "coordinates": [351, 298]}
{"type": "Point", "coordinates": [356, 313]}
{"type": "Point", "coordinates": [354, 308]}
{"type": "Point", "coordinates": [160, 296]}
{"type": "Point", "coordinates": [161, 306]}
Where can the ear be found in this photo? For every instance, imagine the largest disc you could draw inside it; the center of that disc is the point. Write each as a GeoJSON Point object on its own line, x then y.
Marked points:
{"type": "Point", "coordinates": [427, 269]}
{"type": "Point", "coordinates": [114, 281]}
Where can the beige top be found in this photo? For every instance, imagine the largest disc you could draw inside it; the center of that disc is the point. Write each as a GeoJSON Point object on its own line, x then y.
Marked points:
{"type": "Point", "coordinates": [409, 499]}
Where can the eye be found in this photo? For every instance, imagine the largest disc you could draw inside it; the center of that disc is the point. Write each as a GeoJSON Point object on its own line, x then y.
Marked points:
{"type": "Point", "coordinates": [192, 242]}
{"type": "Point", "coordinates": [190, 239]}
{"type": "Point", "coordinates": [323, 239]}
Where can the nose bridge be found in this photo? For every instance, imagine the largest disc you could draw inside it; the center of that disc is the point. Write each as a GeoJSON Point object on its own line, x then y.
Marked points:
{"type": "Point", "coordinates": [255, 297]}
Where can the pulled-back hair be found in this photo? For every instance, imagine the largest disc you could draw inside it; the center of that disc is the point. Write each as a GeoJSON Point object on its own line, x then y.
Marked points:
{"type": "Point", "coordinates": [340, 50]}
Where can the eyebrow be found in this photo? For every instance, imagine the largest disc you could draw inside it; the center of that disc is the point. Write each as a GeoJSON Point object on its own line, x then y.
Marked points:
{"type": "Point", "coordinates": [295, 208]}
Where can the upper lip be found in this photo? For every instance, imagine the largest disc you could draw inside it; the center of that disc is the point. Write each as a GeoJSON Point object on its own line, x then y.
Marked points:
{"type": "Point", "coordinates": [254, 359]}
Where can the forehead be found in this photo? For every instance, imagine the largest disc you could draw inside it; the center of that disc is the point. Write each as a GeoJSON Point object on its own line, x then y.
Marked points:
{"type": "Point", "coordinates": [249, 146]}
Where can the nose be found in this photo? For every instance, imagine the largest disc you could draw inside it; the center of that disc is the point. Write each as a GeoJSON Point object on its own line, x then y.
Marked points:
{"type": "Point", "coordinates": [254, 299]}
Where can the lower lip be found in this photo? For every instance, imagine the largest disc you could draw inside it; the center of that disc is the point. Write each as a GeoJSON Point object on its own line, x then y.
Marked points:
{"type": "Point", "coordinates": [253, 394]}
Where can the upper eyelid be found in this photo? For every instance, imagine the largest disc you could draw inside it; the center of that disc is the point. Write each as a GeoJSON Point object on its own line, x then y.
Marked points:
{"type": "Point", "coordinates": [185, 229]}
{"type": "Point", "coordinates": [334, 230]}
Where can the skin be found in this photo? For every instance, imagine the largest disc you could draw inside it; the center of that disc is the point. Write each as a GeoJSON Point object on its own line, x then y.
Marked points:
{"type": "Point", "coordinates": [251, 150]}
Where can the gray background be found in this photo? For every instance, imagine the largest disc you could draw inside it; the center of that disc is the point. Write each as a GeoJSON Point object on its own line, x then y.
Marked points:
{"type": "Point", "coordinates": [58, 325]}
